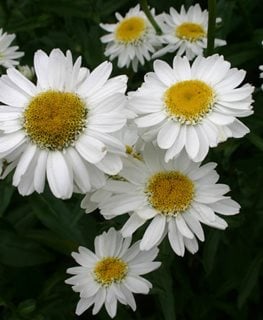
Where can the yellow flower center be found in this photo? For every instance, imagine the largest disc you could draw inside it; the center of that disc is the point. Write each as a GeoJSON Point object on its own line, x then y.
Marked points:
{"type": "Point", "coordinates": [189, 101]}
{"type": "Point", "coordinates": [54, 119]}
{"type": "Point", "coordinates": [190, 31]}
{"type": "Point", "coordinates": [170, 192]}
{"type": "Point", "coordinates": [109, 270]}
{"type": "Point", "coordinates": [130, 30]}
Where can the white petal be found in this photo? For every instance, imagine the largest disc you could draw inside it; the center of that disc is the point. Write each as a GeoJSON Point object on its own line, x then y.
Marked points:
{"type": "Point", "coordinates": [153, 233]}
{"type": "Point", "coordinates": [226, 207]}
{"type": "Point", "coordinates": [164, 72]}
{"type": "Point", "coordinates": [40, 171]}
{"type": "Point", "coordinates": [59, 175]}
{"type": "Point", "coordinates": [183, 228]}
{"type": "Point", "coordinates": [24, 163]}
{"type": "Point", "coordinates": [99, 300]}
{"type": "Point", "coordinates": [175, 238]}
{"type": "Point", "coordinates": [146, 213]}
{"type": "Point", "coordinates": [110, 164]}
{"type": "Point", "coordinates": [80, 171]}
{"type": "Point", "coordinates": [96, 79]}
{"type": "Point", "coordinates": [21, 81]}
{"type": "Point", "coordinates": [194, 225]}
{"type": "Point", "coordinates": [131, 225]}
{"type": "Point", "coordinates": [137, 284]}
{"type": "Point", "coordinates": [91, 149]}
{"type": "Point", "coordinates": [191, 142]}
{"type": "Point", "coordinates": [191, 245]}
{"type": "Point", "coordinates": [83, 305]}
{"type": "Point", "coordinates": [168, 134]}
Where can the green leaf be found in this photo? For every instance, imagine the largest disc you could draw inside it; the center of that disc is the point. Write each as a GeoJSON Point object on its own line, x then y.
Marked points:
{"type": "Point", "coordinates": [56, 216]}
{"type": "Point", "coordinates": [6, 193]}
{"type": "Point", "coordinates": [164, 281]}
{"type": "Point", "coordinates": [256, 140]}
{"type": "Point", "coordinates": [210, 250]}
{"type": "Point", "coordinates": [17, 251]}
{"type": "Point", "coordinates": [250, 280]}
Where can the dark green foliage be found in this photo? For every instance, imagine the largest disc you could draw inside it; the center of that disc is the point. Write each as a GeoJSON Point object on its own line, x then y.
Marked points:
{"type": "Point", "coordinates": [224, 279]}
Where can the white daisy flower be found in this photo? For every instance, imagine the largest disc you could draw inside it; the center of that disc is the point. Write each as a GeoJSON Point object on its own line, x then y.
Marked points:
{"type": "Point", "coordinates": [112, 274]}
{"type": "Point", "coordinates": [176, 196]}
{"type": "Point", "coordinates": [192, 107]}
{"type": "Point", "coordinates": [61, 128]}
{"type": "Point", "coordinates": [186, 32]}
{"type": "Point", "coordinates": [128, 135]}
{"type": "Point", "coordinates": [8, 55]}
{"type": "Point", "coordinates": [132, 39]}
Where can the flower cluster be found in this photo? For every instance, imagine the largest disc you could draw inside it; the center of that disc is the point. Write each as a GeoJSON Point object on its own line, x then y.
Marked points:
{"type": "Point", "coordinates": [133, 39]}
{"type": "Point", "coordinates": [136, 154]}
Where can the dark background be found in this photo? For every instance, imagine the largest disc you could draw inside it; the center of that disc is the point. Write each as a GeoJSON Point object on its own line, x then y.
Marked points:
{"type": "Point", "coordinates": [38, 233]}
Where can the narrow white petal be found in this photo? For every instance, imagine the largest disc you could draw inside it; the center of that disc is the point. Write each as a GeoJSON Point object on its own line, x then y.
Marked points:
{"type": "Point", "coordinates": [168, 134]}
{"type": "Point", "coordinates": [175, 238]}
{"type": "Point", "coordinates": [59, 175]}
{"type": "Point", "coordinates": [194, 225]}
{"type": "Point", "coordinates": [91, 149]}
{"type": "Point", "coordinates": [192, 142]}
{"type": "Point", "coordinates": [99, 300]}
{"type": "Point", "coordinates": [137, 284]}
{"type": "Point", "coordinates": [131, 225]}
{"type": "Point", "coordinates": [83, 305]}
{"type": "Point", "coordinates": [24, 163]}
{"type": "Point", "coordinates": [183, 228]}
{"type": "Point", "coordinates": [226, 207]}
{"type": "Point", "coordinates": [153, 233]}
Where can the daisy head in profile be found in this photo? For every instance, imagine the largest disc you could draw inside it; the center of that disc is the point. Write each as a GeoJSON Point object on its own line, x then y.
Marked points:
{"type": "Point", "coordinates": [112, 274]}
{"type": "Point", "coordinates": [192, 107]}
{"type": "Point", "coordinates": [176, 197]}
{"type": "Point", "coordinates": [132, 40]}
{"type": "Point", "coordinates": [8, 54]}
{"type": "Point", "coordinates": [60, 128]}
{"type": "Point", "coordinates": [186, 32]}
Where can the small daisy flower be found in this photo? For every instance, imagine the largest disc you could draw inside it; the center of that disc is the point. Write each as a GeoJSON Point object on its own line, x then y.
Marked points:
{"type": "Point", "coordinates": [133, 147]}
{"type": "Point", "coordinates": [176, 196]}
{"type": "Point", "coordinates": [132, 39]}
{"type": "Point", "coordinates": [8, 55]}
{"type": "Point", "coordinates": [185, 32]}
{"type": "Point", "coordinates": [61, 128]}
{"type": "Point", "coordinates": [192, 107]}
{"type": "Point", "coordinates": [112, 274]}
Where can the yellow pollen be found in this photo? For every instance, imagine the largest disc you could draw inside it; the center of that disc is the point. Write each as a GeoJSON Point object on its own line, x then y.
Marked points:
{"type": "Point", "coordinates": [109, 270]}
{"type": "Point", "coordinates": [54, 120]}
{"type": "Point", "coordinates": [130, 30]}
{"type": "Point", "coordinates": [170, 192]}
{"type": "Point", "coordinates": [131, 151]}
{"type": "Point", "coordinates": [189, 101]}
{"type": "Point", "coordinates": [190, 31]}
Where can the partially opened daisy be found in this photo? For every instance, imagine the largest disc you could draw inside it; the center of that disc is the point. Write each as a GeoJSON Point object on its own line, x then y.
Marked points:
{"type": "Point", "coordinates": [128, 135]}
{"type": "Point", "coordinates": [192, 107]}
{"type": "Point", "coordinates": [132, 39]}
{"type": "Point", "coordinates": [176, 197]}
{"type": "Point", "coordinates": [61, 128]}
{"type": "Point", "coordinates": [185, 32]}
{"type": "Point", "coordinates": [8, 55]}
{"type": "Point", "coordinates": [112, 273]}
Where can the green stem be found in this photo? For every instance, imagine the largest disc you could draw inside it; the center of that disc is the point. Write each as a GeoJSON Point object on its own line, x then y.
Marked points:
{"type": "Point", "coordinates": [211, 27]}
{"type": "Point", "coordinates": [148, 14]}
